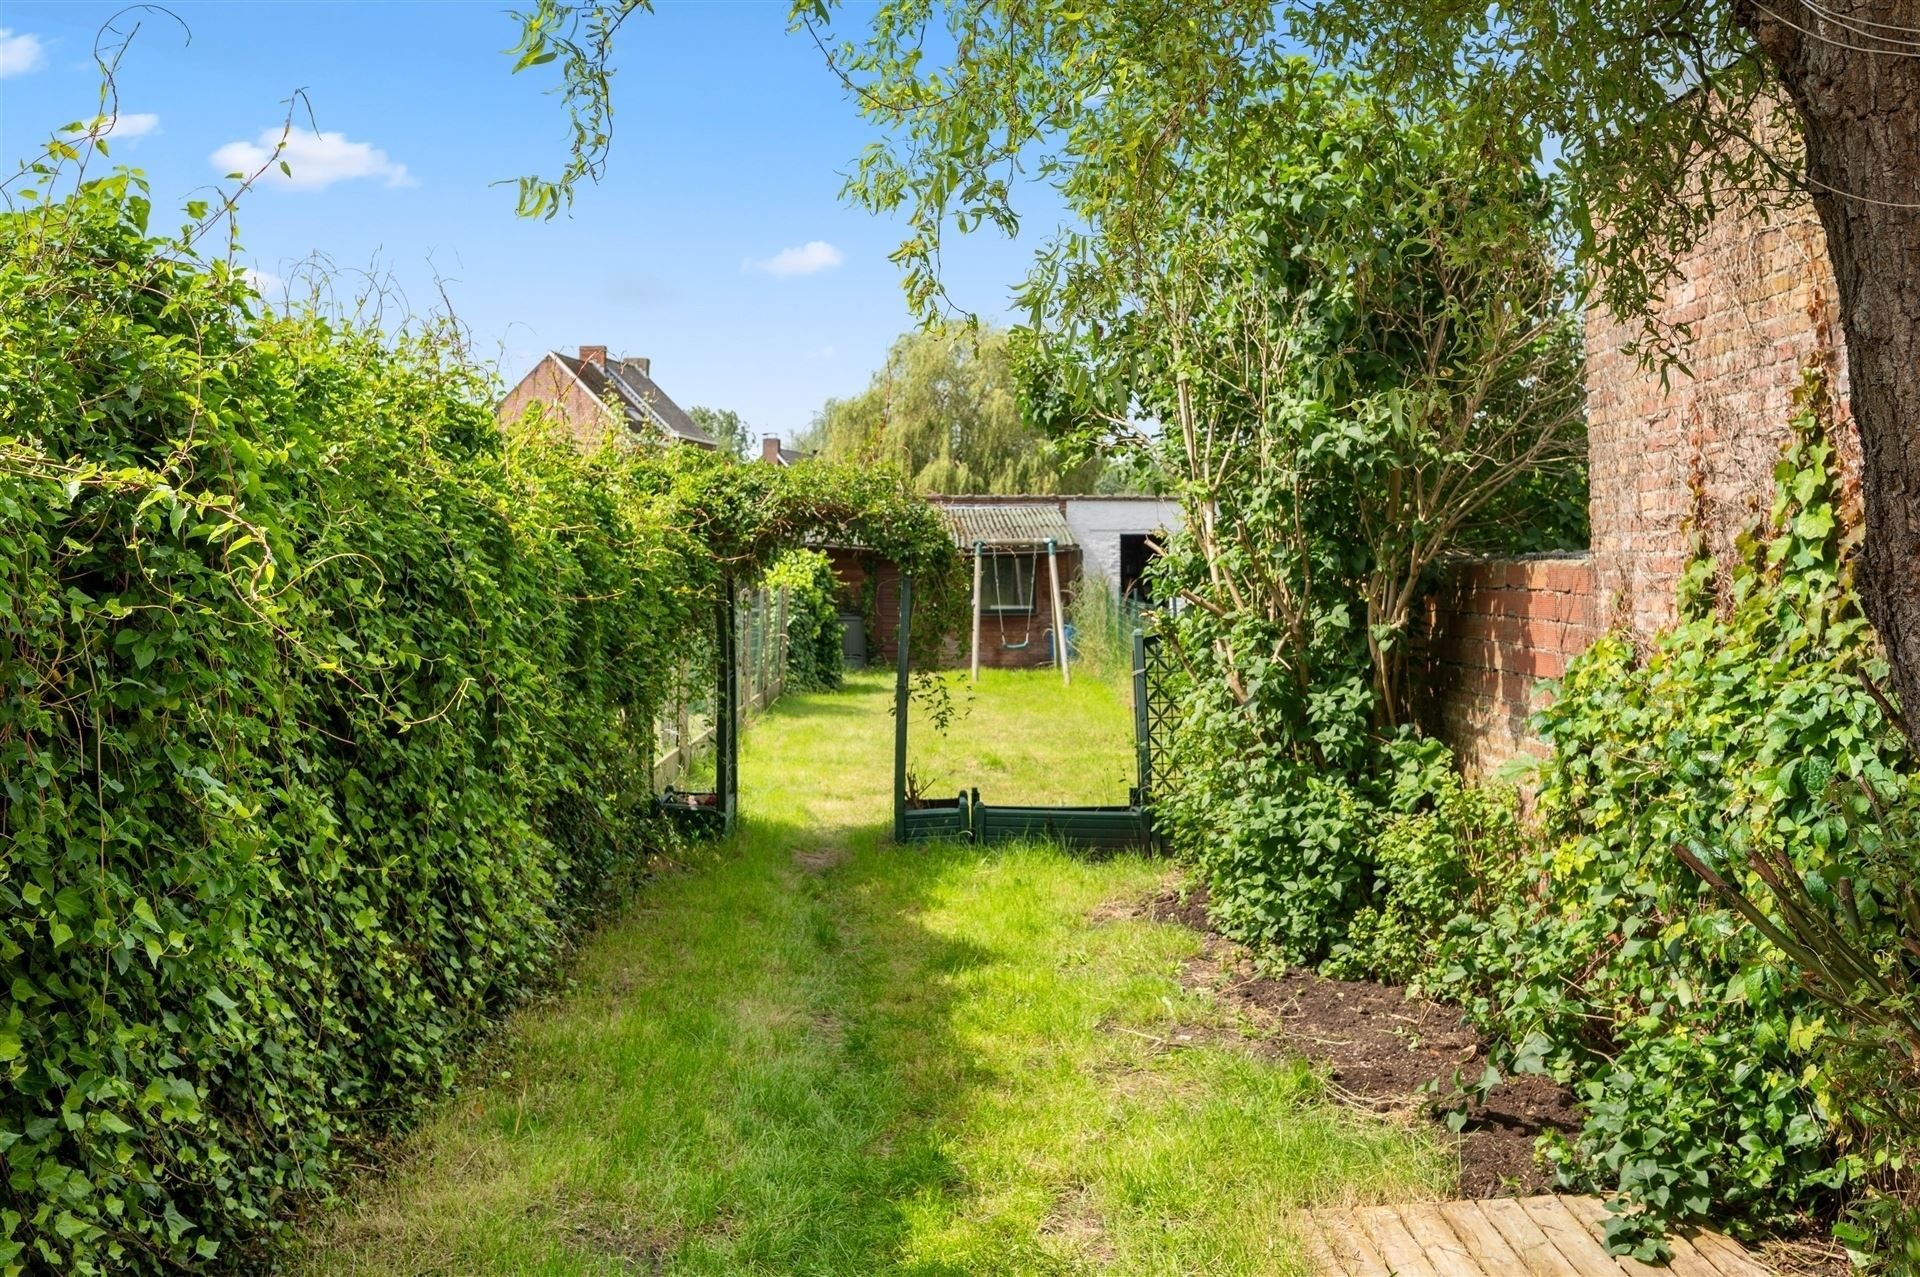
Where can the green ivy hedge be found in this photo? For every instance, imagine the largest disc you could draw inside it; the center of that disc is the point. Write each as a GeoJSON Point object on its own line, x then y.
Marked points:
{"type": "Point", "coordinates": [325, 719]}
{"type": "Point", "coordinates": [317, 735]}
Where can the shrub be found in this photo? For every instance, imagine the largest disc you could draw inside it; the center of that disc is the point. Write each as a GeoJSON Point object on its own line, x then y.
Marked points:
{"type": "Point", "coordinates": [1699, 1059]}
{"type": "Point", "coordinates": [1711, 1081]}
{"type": "Point", "coordinates": [1458, 857]}
{"type": "Point", "coordinates": [316, 738]}
{"type": "Point", "coordinates": [816, 652]}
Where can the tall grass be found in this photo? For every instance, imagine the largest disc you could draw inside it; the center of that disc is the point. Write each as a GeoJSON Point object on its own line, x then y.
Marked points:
{"type": "Point", "coordinates": [1103, 626]}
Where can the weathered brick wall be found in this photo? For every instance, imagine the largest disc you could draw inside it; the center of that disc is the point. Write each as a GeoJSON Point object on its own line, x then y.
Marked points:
{"type": "Point", "coordinates": [1757, 294]}
{"type": "Point", "coordinates": [1755, 297]}
{"type": "Point", "coordinates": [1495, 629]}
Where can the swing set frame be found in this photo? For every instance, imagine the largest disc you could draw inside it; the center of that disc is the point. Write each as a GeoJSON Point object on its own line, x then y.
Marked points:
{"type": "Point", "coordinates": [1062, 649]}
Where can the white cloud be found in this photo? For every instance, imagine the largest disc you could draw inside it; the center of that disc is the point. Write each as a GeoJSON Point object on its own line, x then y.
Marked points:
{"type": "Point", "coordinates": [20, 54]}
{"type": "Point", "coordinates": [265, 282]}
{"type": "Point", "coordinates": [317, 160]}
{"type": "Point", "coordinates": [819, 353]}
{"type": "Point", "coordinates": [122, 127]}
{"type": "Point", "coordinates": [130, 124]}
{"type": "Point", "coordinates": [809, 258]}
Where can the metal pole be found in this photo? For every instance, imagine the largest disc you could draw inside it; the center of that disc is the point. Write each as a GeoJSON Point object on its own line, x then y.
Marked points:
{"type": "Point", "coordinates": [900, 713]}
{"type": "Point", "coordinates": [1059, 617]}
{"type": "Point", "coordinates": [977, 548]}
{"type": "Point", "coordinates": [1143, 756]}
{"type": "Point", "coordinates": [726, 760]}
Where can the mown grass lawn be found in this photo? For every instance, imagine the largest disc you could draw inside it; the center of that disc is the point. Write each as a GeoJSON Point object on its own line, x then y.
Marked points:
{"type": "Point", "coordinates": [812, 1052]}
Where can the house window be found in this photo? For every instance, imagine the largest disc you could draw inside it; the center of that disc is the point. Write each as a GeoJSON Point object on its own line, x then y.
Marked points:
{"type": "Point", "coordinates": [1006, 583]}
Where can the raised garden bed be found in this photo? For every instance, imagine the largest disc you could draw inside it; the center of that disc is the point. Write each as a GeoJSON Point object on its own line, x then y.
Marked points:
{"type": "Point", "coordinates": [1117, 828]}
{"type": "Point", "coordinates": [937, 820]}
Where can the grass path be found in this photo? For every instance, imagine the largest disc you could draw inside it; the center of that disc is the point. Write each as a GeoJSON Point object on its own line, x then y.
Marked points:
{"type": "Point", "coordinates": [815, 1053]}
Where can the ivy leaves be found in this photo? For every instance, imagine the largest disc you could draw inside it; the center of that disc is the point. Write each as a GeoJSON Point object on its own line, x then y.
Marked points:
{"type": "Point", "coordinates": [1701, 1063]}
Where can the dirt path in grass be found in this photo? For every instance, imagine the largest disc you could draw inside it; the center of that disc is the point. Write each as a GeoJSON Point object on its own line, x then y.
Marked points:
{"type": "Point", "coordinates": [811, 1052]}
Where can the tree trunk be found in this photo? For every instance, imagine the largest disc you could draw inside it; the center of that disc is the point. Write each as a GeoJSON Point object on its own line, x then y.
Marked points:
{"type": "Point", "coordinates": [1860, 110]}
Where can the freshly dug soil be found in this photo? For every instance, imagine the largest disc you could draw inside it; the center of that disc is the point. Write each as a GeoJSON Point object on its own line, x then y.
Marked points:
{"type": "Point", "coordinates": [1381, 1047]}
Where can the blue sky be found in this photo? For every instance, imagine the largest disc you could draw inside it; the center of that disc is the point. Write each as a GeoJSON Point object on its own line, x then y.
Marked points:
{"type": "Point", "coordinates": [717, 246]}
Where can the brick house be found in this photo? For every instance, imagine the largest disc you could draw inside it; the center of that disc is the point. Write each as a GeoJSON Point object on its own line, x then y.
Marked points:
{"type": "Point", "coordinates": [594, 395]}
{"type": "Point", "coordinates": [776, 453]}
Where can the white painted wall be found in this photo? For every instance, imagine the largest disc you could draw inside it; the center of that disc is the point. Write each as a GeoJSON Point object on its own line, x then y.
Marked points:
{"type": "Point", "coordinates": [1098, 523]}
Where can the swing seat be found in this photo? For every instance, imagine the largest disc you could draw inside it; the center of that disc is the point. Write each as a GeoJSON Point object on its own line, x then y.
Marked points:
{"type": "Point", "coordinates": [1015, 647]}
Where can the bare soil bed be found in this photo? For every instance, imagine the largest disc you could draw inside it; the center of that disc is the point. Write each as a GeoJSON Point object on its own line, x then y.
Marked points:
{"type": "Point", "coordinates": [1382, 1048]}
{"type": "Point", "coordinates": [1386, 1051]}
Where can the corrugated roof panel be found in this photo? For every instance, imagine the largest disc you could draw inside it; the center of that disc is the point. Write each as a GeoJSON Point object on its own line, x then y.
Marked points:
{"type": "Point", "coordinates": [1002, 524]}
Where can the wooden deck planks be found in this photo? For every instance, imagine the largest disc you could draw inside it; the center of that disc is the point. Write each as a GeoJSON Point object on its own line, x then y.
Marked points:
{"type": "Point", "coordinates": [1728, 1256]}
{"type": "Point", "coordinates": [1350, 1244]}
{"type": "Point", "coordinates": [1541, 1257]}
{"type": "Point", "coordinates": [1391, 1238]}
{"type": "Point", "coordinates": [1500, 1237]}
{"type": "Point", "coordinates": [1571, 1237]}
{"type": "Point", "coordinates": [1687, 1260]}
{"type": "Point", "coordinates": [1445, 1252]}
{"type": "Point", "coordinates": [1317, 1249]}
{"type": "Point", "coordinates": [1471, 1225]}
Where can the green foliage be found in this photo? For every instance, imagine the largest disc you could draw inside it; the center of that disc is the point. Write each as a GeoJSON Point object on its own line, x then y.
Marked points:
{"type": "Point", "coordinates": [1645, 169]}
{"type": "Point", "coordinates": [1700, 1060]}
{"type": "Point", "coordinates": [728, 429]}
{"type": "Point", "coordinates": [580, 37]}
{"type": "Point", "coordinates": [1711, 1080]}
{"type": "Point", "coordinates": [945, 410]}
{"type": "Point", "coordinates": [1351, 322]}
{"type": "Point", "coordinates": [816, 655]}
{"type": "Point", "coordinates": [1353, 328]}
{"type": "Point", "coordinates": [1460, 855]}
{"type": "Point", "coordinates": [321, 726]}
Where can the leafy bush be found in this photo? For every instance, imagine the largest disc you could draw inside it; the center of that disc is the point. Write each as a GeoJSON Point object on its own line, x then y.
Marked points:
{"type": "Point", "coordinates": [316, 736]}
{"type": "Point", "coordinates": [1291, 849]}
{"type": "Point", "coordinates": [322, 724]}
{"type": "Point", "coordinates": [816, 652]}
{"type": "Point", "coordinates": [1712, 1082]}
{"type": "Point", "coordinates": [1459, 856]}
{"type": "Point", "coordinates": [1699, 1059]}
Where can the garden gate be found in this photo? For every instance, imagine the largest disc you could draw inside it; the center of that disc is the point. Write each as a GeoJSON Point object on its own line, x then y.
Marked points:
{"type": "Point", "coordinates": [965, 818]}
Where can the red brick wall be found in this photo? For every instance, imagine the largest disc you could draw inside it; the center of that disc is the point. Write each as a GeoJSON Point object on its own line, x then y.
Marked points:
{"type": "Point", "coordinates": [1495, 629]}
{"type": "Point", "coordinates": [1757, 295]}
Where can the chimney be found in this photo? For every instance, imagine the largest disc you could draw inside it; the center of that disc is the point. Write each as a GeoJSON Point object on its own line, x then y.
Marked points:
{"type": "Point", "coordinates": [644, 364]}
{"type": "Point", "coordinates": [770, 449]}
{"type": "Point", "coordinates": [595, 355]}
